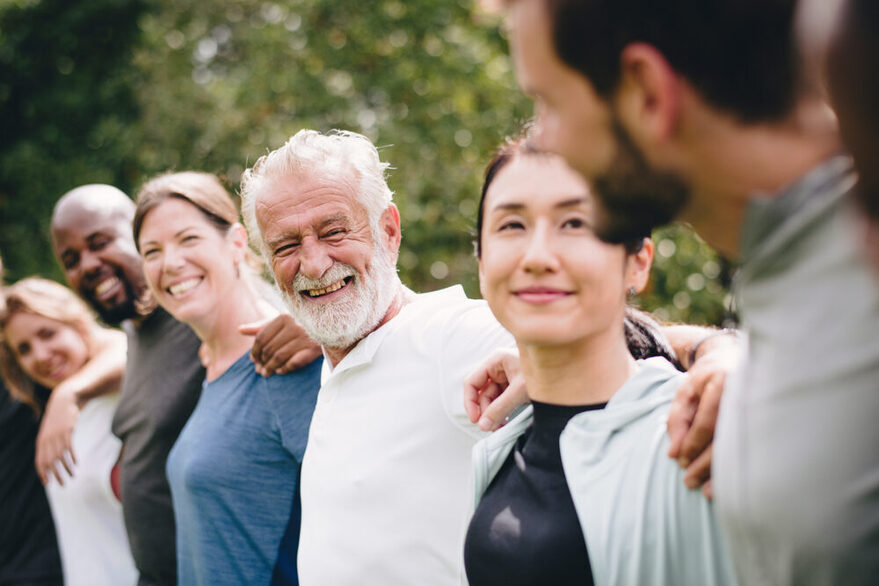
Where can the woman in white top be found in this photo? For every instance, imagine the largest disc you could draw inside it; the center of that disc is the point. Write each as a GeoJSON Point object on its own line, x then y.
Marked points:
{"type": "Point", "coordinates": [578, 489]}
{"type": "Point", "coordinates": [47, 334]}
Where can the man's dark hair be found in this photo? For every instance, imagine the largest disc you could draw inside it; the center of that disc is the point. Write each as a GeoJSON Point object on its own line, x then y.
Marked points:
{"type": "Point", "coordinates": [739, 54]}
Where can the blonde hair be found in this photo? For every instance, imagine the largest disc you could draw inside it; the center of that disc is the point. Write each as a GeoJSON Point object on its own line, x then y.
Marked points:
{"type": "Point", "coordinates": [50, 300]}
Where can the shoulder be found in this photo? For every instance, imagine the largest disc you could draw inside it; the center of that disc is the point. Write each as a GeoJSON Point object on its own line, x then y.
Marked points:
{"type": "Point", "coordinates": [307, 376]}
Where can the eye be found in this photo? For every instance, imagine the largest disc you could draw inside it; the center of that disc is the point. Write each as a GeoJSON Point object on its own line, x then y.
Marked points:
{"type": "Point", "coordinates": [23, 349]}
{"type": "Point", "coordinates": [46, 333]}
{"type": "Point", "coordinates": [509, 225]}
{"type": "Point", "coordinates": [335, 234]}
{"type": "Point", "coordinates": [574, 223]}
{"type": "Point", "coordinates": [149, 253]}
{"type": "Point", "coordinates": [69, 261]}
{"type": "Point", "coordinates": [190, 239]}
{"type": "Point", "coordinates": [98, 242]}
{"type": "Point", "coordinates": [285, 249]}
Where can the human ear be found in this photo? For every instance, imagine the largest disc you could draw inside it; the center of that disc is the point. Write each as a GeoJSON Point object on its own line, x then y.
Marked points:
{"type": "Point", "coordinates": [648, 99]}
{"type": "Point", "coordinates": [237, 237]}
{"type": "Point", "coordinates": [481, 275]}
{"type": "Point", "coordinates": [638, 266]}
{"type": "Point", "coordinates": [389, 225]}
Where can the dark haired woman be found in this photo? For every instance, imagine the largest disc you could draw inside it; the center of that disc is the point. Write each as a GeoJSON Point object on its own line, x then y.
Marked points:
{"type": "Point", "coordinates": [578, 488]}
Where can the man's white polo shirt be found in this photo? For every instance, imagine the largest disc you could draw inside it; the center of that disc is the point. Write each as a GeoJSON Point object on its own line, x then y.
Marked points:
{"type": "Point", "coordinates": [386, 478]}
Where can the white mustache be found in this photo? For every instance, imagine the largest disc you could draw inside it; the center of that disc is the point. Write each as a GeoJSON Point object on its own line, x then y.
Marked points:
{"type": "Point", "coordinates": [335, 273]}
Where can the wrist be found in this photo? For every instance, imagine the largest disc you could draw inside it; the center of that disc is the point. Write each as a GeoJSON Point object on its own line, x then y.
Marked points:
{"type": "Point", "coordinates": [709, 341]}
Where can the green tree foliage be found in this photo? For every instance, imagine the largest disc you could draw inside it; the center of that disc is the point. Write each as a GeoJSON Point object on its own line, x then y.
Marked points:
{"type": "Point", "coordinates": [67, 113]}
{"type": "Point", "coordinates": [174, 85]}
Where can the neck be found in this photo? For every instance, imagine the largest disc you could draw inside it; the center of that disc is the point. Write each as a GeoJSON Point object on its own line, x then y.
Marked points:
{"type": "Point", "coordinates": [733, 164]}
{"type": "Point", "coordinates": [219, 331]}
{"type": "Point", "coordinates": [403, 297]}
{"type": "Point", "coordinates": [581, 373]}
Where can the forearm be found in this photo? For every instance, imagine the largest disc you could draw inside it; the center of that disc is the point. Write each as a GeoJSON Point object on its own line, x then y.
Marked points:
{"type": "Point", "coordinates": [103, 373]}
{"type": "Point", "coordinates": [691, 342]}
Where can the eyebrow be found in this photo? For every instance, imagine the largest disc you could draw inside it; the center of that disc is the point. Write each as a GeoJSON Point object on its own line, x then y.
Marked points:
{"type": "Point", "coordinates": [516, 206]}
{"type": "Point", "coordinates": [340, 217]}
{"type": "Point", "coordinates": [176, 235]}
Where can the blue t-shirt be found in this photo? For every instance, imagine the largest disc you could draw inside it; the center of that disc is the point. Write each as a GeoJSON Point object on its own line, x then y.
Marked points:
{"type": "Point", "coordinates": [234, 471]}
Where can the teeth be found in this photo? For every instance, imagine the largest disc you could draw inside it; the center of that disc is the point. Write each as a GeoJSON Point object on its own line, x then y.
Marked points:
{"type": "Point", "coordinates": [106, 285]}
{"type": "Point", "coordinates": [329, 289]}
{"type": "Point", "coordinates": [183, 286]}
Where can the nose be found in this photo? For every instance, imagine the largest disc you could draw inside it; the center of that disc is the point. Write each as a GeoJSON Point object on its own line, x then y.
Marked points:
{"type": "Point", "coordinates": [539, 256]}
{"type": "Point", "coordinates": [172, 259]}
{"type": "Point", "coordinates": [41, 352]}
{"type": "Point", "coordinates": [313, 260]}
{"type": "Point", "coordinates": [89, 262]}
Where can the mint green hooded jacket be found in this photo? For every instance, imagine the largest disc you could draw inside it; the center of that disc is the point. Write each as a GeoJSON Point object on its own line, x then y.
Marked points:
{"type": "Point", "coordinates": [641, 524]}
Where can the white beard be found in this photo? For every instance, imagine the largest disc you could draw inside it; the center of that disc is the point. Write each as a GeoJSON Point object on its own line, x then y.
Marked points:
{"type": "Point", "coordinates": [366, 301]}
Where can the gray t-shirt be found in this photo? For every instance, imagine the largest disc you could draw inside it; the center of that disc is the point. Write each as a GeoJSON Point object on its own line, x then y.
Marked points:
{"type": "Point", "coordinates": [796, 458]}
{"type": "Point", "coordinates": [163, 378]}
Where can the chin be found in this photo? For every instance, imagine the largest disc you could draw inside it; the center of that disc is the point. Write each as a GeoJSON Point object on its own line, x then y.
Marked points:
{"type": "Point", "coordinates": [543, 335]}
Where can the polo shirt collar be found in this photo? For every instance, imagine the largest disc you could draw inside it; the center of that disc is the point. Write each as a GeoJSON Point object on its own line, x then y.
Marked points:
{"type": "Point", "coordinates": [364, 351]}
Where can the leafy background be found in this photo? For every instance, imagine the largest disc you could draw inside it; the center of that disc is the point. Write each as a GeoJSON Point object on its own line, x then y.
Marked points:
{"type": "Point", "coordinates": [115, 91]}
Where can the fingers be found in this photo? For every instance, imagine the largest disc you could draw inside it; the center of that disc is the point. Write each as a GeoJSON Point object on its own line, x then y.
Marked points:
{"type": "Point", "coordinates": [282, 346]}
{"type": "Point", "coordinates": [488, 395]}
{"type": "Point", "coordinates": [486, 383]}
{"type": "Point", "coordinates": [699, 471]}
{"type": "Point", "coordinates": [54, 453]}
{"type": "Point", "coordinates": [57, 474]}
{"type": "Point", "coordinates": [495, 414]}
{"type": "Point", "coordinates": [296, 361]}
{"type": "Point", "coordinates": [701, 432]}
{"type": "Point", "coordinates": [265, 332]}
{"type": "Point", "coordinates": [708, 489]}
{"type": "Point", "coordinates": [680, 416]}
{"type": "Point", "coordinates": [474, 387]}
{"type": "Point", "coordinates": [300, 359]}
{"type": "Point", "coordinates": [253, 328]}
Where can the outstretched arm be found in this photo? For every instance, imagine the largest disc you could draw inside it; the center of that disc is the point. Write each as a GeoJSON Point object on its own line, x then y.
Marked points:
{"type": "Point", "coordinates": [102, 374]}
{"type": "Point", "coordinates": [496, 388]}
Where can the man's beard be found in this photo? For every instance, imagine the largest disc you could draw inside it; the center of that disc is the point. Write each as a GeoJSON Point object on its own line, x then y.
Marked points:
{"type": "Point", "coordinates": [343, 323]}
{"type": "Point", "coordinates": [634, 198]}
{"type": "Point", "coordinates": [113, 316]}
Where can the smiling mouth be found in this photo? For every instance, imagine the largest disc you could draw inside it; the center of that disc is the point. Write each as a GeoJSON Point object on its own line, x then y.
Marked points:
{"type": "Point", "coordinates": [182, 287]}
{"type": "Point", "coordinates": [313, 293]}
{"type": "Point", "coordinates": [105, 286]}
{"type": "Point", "coordinates": [53, 370]}
{"type": "Point", "coordinates": [540, 295]}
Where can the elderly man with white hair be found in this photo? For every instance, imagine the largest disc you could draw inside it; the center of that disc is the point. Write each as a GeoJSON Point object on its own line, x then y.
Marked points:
{"type": "Point", "coordinates": [385, 491]}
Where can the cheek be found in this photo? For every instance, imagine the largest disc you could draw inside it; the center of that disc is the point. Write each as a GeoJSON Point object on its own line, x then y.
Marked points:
{"type": "Point", "coordinates": [284, 270]}
{"type": "Point", "coordinates": [497, 264]}
{"type": "Point", "coordinates": [73, 345]}
{"type": "Point", "coordinates": [27, 364]}
{"type": "Point", "coordinates": [152, 270]}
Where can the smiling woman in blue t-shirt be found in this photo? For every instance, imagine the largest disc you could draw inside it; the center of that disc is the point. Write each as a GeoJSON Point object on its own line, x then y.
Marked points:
{"type": "Point", "coordinates": [235, 467]}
